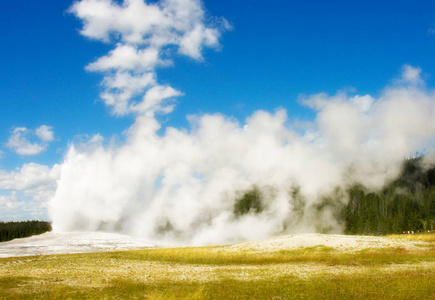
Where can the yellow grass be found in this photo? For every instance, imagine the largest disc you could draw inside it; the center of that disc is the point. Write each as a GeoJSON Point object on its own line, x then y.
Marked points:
{"type": "Point", "coordinates": [423, 237]}
{"type": "Point", "coordinates": [223, 273]}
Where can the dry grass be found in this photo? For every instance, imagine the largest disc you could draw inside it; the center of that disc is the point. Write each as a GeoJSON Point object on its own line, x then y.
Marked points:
{"type": "Point", "coordinates": [223, 273]}
{"type": "Point", "coordinates": [422, 237]}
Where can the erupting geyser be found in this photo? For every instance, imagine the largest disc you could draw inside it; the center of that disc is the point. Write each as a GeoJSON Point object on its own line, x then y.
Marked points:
{"type": "Point", "coordinates": [222, 180]}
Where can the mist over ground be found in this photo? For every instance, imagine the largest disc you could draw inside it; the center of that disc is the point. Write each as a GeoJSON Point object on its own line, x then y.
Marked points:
{"type": "Point", "coordinates": [223, 180]}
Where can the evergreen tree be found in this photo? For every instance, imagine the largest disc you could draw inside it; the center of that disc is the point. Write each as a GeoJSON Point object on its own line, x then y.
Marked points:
{"type": "Point", "coordinates": [13, 230]}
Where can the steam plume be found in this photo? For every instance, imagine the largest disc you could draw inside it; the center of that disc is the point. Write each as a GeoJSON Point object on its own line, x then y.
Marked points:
{"type": "Point", "coordinates": [185, 184]}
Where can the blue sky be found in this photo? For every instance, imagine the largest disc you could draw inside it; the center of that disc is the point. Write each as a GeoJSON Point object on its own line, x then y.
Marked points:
{"type": "Point", "coordinates": [275, 51]}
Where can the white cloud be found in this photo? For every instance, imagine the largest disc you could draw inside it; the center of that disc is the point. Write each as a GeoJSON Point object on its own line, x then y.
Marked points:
{"type": "Point", "coordinates": [126, 81]}
{"type": "Point", "coordinates": [21, 145]}
{"type": "Point", "coordinates": [45, 133]}
{"type": "Point", "coordinates": [18, 206]}
{"type": "Point", "coordinates": [136, 22]}
{"type": "Point", "coordinates": [143, 33]}
{"type": "Point", "coordinates": [30, 177]}
{"type": "Point", "coordinates": [411, 76]}
{"type": "Point", "coordinates": [153, 101]}
{"type": "Point", "coordinates": [11, 208]}
{"type": "Point", "coordinates": [363, 102]}
{"type": "Point", "coordinates": [127, 57]}
{"type": "Point", "coordinates": [28, 191]}
{"type": "Point", "coordinates": [19, 141]}
{"type": "Point", "coordinates": [122, 87]}
{"type": "Point", "coordinates": [191, 43]}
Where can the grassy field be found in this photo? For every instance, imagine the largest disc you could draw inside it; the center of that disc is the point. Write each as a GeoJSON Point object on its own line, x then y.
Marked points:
{"type": "Point", "coordinates": [226, 273]}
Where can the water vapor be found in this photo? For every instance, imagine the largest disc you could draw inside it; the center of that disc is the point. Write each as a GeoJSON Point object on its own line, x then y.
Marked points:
{"type": "Point", "coordinates": [223, 180]}
{"type": "Point", "coordinates": [184, 184]}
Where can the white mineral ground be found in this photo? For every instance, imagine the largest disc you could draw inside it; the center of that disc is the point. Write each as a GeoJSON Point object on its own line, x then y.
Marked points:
{"type": "Point", "coordinates": [71, 242]}
{"type": "Point", "coordinates": [83, 242]}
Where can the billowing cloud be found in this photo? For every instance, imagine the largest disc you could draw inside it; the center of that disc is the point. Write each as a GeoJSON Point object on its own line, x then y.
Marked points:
{"type": "Point", "coordinates": [157, 24]}
{"type": "Point", "coordinates": [20, 143]}
{"type": "Point", "coordinates": [184, 185]}
{"type": "Point", "coordinates": [25, 193]}
{"type": "Point", "coordinates": [143, 33]}
{"type": "Point", "coordinates": [30, 177]}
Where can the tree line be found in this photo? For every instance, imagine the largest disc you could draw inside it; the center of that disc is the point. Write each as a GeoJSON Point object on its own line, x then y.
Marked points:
{"type": "Point", "coordinates": [13, 230]}
{"type": "Point", "coordinates": [406, 204]}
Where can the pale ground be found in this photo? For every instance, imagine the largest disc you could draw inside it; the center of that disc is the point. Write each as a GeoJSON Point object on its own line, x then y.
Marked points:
{"type": "Point", "coordinates": [82, 242]}
{"type": "Point", "coordinates": [71, 242]}
{"type": "Point", "coordinates": [348, 243]}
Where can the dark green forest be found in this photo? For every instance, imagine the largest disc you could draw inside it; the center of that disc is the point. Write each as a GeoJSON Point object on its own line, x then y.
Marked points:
{"type": "Point", "coordinates": [13, 230]}
{"type": "Point", "coordinates": [406, 204]}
